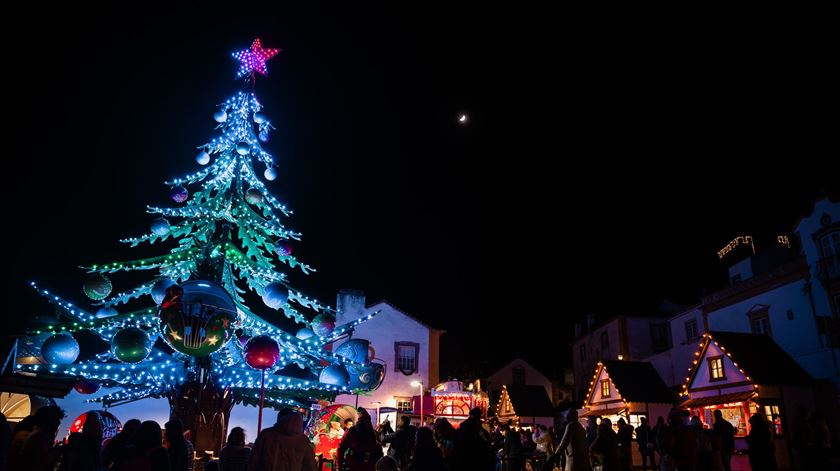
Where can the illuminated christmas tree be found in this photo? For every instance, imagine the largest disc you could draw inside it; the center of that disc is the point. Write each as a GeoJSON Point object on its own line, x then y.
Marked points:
{"type": "Point", "coordinates": [198, 344]}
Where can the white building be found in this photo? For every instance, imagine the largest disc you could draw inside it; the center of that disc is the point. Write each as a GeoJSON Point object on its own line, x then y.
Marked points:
{"type": "Point", "coordinates": [409, 348]}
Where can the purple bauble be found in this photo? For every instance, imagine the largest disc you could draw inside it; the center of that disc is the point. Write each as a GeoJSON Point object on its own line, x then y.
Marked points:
{"type": "Point", "coordinates": [283, 248]}
{"type": "Point", "coordinates": [323, 325]}
{"type": "Point", "coordinates": [253, 196]}
{"type": "Point", "coordinates": [179, 194]}
{"type": "Point", "coordinates": [262, 352]}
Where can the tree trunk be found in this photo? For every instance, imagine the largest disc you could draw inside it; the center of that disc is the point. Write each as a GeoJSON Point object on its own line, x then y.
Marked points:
{"type": "Point", "coordinates": [205, 410]}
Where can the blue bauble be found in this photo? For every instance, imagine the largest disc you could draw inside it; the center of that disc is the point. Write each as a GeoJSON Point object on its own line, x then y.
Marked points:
{"type": "Point", "coordinates": [335, 375]}
{"type": "Point", "coordinates": [304, 334]}
{"type": "Point", "coordinates": [60, 349]}
{"type": "Point", "coordinates": [264, 136]}
{"type": "Point", "coordinates": [354, 349]}
{"type": "Point", "coordinates": [203, 158]}
{"type": "Point", "coordinates": [105, 312]}
{"type": "Point", "coordinates": [159, 289]}
{"type": "Point", "coordinates": [283, 248]}
{"type": "Point", "coordinates": [220, 116]}
{"type": "Point", "coordinates": [367, 377]}
{"type": "Point", "coordinates": [160, 226]}
{"type": "Point", "coordinates": [275, 295]}
{"type": "Point", "coordinates": [179, 194]}
{"type": "Point", "coordinates": [243, 148]}
{"type": "Point", "coordinates": [270, 174]}
{"type": "Point", "coordinates": [259, 118]}
{"type": "Point", "coordinates": [131, 345]}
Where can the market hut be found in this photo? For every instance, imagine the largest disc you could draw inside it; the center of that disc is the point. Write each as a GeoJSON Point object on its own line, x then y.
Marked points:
{"type": "Point", "coordinates": [743, 374]}
{"type": "Point", "coordinates": [525, 405]}
{"type": "Point", "coordinates": [629, 390]}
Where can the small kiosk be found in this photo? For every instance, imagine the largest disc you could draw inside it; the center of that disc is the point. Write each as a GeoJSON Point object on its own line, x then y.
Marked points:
{"type": "Point", "coordinates": [525, 406]}
{"type": "Point", "coordinates": [628, 390]}
{"type": "Point", "coordinates": [743, 374]}
{"type": "Point", "coordinates": [453, 401]}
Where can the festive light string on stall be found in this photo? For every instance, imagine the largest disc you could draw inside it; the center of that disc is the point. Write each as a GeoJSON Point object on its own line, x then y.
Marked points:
{"type": "Point", "coordinates": [695, 364]}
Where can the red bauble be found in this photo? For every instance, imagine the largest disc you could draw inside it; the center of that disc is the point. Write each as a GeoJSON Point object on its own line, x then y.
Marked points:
{"type": "Point", "coordinates": [86, 387]}
{"type": "Point", "coordinates": [261, 352]}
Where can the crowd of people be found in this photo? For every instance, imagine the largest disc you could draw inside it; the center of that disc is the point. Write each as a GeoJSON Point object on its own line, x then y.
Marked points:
{"type": "Point", "coordinates": [681, 444]}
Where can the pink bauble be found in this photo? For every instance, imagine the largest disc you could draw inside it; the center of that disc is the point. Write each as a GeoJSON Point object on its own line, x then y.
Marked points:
{"type": "Point", "coordinates": [262, 352]}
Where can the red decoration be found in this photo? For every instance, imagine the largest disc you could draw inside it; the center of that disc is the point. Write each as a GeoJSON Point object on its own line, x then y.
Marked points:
{"type": "Point", "coordinates": [254, 59]}
{"type": "Point", "coordinates": [109, 424]}
{"type": "Point", "coordinates": [261, 352]}
{"type": "Point", "coordinates": [86, 387]}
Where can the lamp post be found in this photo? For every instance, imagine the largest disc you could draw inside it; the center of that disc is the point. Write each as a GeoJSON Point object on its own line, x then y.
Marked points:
{"type": "Point", "coordinates": [377, 404]}
{"type": "Point", "coordinates": [420, 384]}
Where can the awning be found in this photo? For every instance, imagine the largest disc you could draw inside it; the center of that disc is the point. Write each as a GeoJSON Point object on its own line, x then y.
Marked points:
{"type": "Point", "coordinates": [604, 412]}
{"type": "Point", "coordinates": [721, 399]}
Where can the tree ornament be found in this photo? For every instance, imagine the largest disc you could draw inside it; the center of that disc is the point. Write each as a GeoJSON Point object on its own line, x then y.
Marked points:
{"type": "Point", "coordinates": [159, 289]}
{"type": "Point", "coordinates": [60, 349]}
{"type": "Point", "coordinates": [109, 424]}
{"type": "Point", "coordinates": [179, 194]}
{"type": "Point", "coordinates": [259, 118]}
{"type": "Point", "coordinates": [253, 59]}
{"type": "Point", "coordinates": [264, 136]}
{"type": "Point", "coordinates": [203, 158]}
{"type": "Point", "coordinates": [270, 174]}
{"type": "Point", "coordinates": [335, 375]}
{"type": "Point", "coordinates": [220, 116]}
{"type": "Point", "coordinates": [243, 148]}
{"type": "Point", "coordinates": [105, 312]}
{"type": "Point", "coordinates": [262, 352]}
{"type": "Point", "coordinates": [323, 324]}
{"type": "Point", "coordinates": [367, 377]}
{"type": "Point", "coordinates": [355, 350]}
{"type": "Point", "coordinates": [253, 196]}
{"type": "Point", "coordinates": [283, 248]}
{"type": "Point", "coordinates": [97, 287]}
{"type": "Point", "coordinates": [160, 226]}
{"type": "Point", "coordinates": [86, 387]}
{"type": "Point", "coordinates": [131, 345]}
{"type": "Point", "coordinates": [197, 318]}
{"type": "Point", "coordinates": [275, 295]}
{"type": "Point", "coordinates": [304, 334]}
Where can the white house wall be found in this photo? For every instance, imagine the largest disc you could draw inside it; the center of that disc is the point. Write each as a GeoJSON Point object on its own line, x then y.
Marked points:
{"type": "Point", "coordinates": [798, 337]}
{"type": "Point", "coordinates": [386, 328]}
{"type": "Point", "coordinates": [702, 379]}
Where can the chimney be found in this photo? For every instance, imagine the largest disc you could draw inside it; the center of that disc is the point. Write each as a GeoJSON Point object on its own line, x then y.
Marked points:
{"type": "Point", "coordinates": [350, 304]}
{"type": "Point", "coordinates": [590, 322]}
{"type": "Point", "coordinates": [578, 329]}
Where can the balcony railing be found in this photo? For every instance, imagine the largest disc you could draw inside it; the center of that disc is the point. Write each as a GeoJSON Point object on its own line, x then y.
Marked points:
{"type": "Point", "coordinates": [828, 269]}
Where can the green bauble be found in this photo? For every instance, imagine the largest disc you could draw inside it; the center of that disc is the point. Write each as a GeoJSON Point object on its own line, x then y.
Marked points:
{"type": "Point", "coordinates": [131, 345]}
{"type": "Point", "coordinates": [97, 287]}
{"type": "Point", "coordinates": [197, 318]}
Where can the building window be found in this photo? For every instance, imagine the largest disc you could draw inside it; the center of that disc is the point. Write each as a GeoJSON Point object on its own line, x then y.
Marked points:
{"type": "Point", "coordinates": [761, 325]}
{"type": "Point", "coordinates": [716, 372]}
{"type": "Point", "coordinates": [774, 418]}
{"type": "Point", "coordinates": [605, 340]}
{"type": "Point", "coordinates": [404, 404]}
{"type": "Point", "coordinates": [406, 355]}
{"type": "Point", "coordinates": [830, 245]}
{"type": "Point", "coordinates": [605, 388]}
{"type": "Point", "coordinates": [760, 320]}
{"type": "Point", "coordinates": [582, 351]}
{"type": "Point", "coordinates": [790, 314]}
{"type": "Point", "coordinates": [691, 333]}
{"type": "Point", "coordinates": [518, 375]}
{"type": "Point", "coordinates": [660, 338]}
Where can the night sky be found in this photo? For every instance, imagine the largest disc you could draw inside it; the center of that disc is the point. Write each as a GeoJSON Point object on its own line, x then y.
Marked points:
{"type": "Point", "coordinates": [608, 155]}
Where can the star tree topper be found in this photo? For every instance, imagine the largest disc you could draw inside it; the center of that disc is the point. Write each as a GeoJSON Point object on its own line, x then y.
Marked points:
{"type": "Point", "coordinates": [253, 59]}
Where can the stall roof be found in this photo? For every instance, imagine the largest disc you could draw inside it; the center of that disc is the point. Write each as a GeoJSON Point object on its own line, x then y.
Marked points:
{"type": "Point", "coordinates": [530, 400]}
{"type": "Point", "coordinates": [604, 412]}
{"type": "Point", "coordinates": [761, 358]}
{"type": "Point", "coordinates": [638, 381]}
{"type": "Point", "coordinates": [721, 399]}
